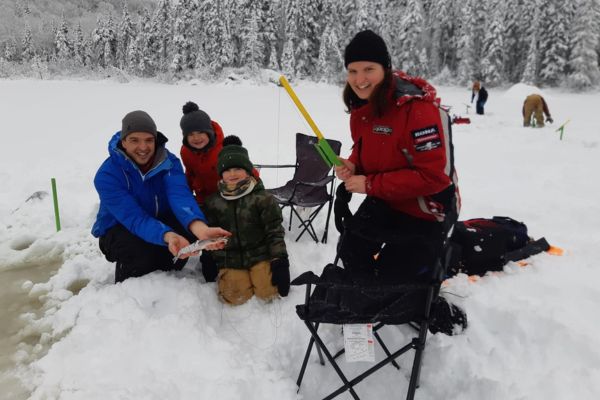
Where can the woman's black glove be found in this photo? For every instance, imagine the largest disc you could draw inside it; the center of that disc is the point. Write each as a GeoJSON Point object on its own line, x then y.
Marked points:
{"type": "Point", "coordinates": [209, 267]}
{"type": "Point", "coordinates": [280, 275]}
{"type": "Point", "coordinates": [341, 209]}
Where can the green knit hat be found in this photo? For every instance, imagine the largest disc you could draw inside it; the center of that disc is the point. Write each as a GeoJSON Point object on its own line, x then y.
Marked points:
{"type": "Point", "coordinates": [234, 156]}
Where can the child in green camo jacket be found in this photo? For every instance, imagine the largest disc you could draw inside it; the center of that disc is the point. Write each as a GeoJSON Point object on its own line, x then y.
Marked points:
{"type": "Point", "coordinates": [255, 260]}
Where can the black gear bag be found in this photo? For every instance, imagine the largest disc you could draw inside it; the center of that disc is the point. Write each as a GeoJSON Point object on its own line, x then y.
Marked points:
{"type": "Point", "coordinates": [480, 245]}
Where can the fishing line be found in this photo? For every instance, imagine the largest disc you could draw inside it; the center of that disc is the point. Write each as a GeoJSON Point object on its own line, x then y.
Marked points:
{"type": "Point", "coordinates": [274, 319]}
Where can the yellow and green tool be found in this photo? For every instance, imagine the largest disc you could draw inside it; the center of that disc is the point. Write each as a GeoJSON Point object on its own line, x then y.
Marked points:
{"type": "Point", "coordinates": [322, 146]}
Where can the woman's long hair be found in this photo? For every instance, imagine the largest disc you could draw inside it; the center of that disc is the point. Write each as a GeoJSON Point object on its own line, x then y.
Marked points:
{"type": "Point", "coordinates": [379, 99]}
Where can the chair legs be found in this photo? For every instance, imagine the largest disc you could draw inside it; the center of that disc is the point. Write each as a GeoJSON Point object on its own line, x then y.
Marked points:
{"type": "Point", "coordinates": [307, 225]}
{"type": "Point", "coordinates": [324, 239]}
{"type": "Point", "coordinates": [418, 344]}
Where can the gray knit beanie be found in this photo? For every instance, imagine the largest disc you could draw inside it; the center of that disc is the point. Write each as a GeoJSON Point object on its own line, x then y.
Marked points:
{"type": "Point", "coordinates": [196, 120]}
{"type": "Point", "coordinates": [137, 121]}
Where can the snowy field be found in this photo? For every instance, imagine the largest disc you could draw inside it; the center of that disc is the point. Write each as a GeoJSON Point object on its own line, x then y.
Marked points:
{"type": "Point", "coordinates": [533, 331]}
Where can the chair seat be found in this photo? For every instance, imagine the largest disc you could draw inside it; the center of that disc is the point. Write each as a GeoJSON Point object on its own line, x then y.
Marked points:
{"type": "Point", "coordinates": [337, 300]}
{"type": "Point", "coordinates": [304, 196]}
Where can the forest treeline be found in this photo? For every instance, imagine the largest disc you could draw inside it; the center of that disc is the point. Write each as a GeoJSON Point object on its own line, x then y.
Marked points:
{"type": "Point", "coordinates": [541, 42]}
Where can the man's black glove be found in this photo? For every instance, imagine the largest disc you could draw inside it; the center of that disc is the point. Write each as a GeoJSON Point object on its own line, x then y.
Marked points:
{"type": "Point", "coordinates": [209, 267]}
{"type": "Point", "coordinates": [280, 275]}
{"type": "Point", "coordinates": [549, 120]}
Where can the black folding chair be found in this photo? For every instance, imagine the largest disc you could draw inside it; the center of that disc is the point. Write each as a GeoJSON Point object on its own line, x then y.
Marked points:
{"type": "Point", "coordinates": [312, 185]}
{"type": "Point", "coordinates": [335, 303]}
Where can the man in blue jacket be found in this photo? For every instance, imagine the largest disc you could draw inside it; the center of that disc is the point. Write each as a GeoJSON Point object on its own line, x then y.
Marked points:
{"type": "Point", "coordinates": [147, 211]}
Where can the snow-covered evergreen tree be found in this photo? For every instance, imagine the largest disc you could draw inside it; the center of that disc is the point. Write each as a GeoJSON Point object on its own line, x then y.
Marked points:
{"type": "Point", "coordinates": [252, 50]}
{"type": "Point", "coordinates": [583, 61]}
{"type": "Point", "coordinates": [530, 73]}
{"type": "Point", "coordinates": [104, 39]}
{"type": "Point", "coordinates": [554, 41]}
{"type": "Point", "coordinates": [125, 35]}
{"type": "Point", "coordinates": [361, 19]}
{"type": "Point", "coordinates": [267, 35]}
{"type": "Point", "coordinates": [330, 62]}
{"type": "Point", "coordinates": [143, 54]}
{"type": "Point", "coordinates": [10, 51]}
{"type": "Point", "coordinates": [79, 47]}
{"type": "Point", "coordinates": [218, 48]}
{"type": "Point", "coordinates": [410, 56]}
{"type": "Point", "coordinates": [64, 48]}
{"type": "Point", "coordinates": [27, 52]}
{"type": "Point", "coordinates": [183, 37]}
{"type": "Point", "coordinates": [110, 42]}
{"type": "Point", "coordinates": [492, 67]}
{"type": "Point", "coordinates": [347, 16]}
{"type": "Point", "coordinates": [288, 58]}
{"type": "Point", "coordinates": [442, 38]}
{"type": "Point", "coordinates": [515, 47]}
{"type": "Point", "coordinates": [313, 29]}
{"type": "Point", "coordinates": [466, 44]}
{"type": "Point", "coordinates": [161, 34]}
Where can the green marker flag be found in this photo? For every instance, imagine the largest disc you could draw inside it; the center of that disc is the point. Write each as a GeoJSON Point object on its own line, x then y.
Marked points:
{"type": "Point", "coordinates": [561, 129]}
{"type": "Point", "coordinates": [55, 197]}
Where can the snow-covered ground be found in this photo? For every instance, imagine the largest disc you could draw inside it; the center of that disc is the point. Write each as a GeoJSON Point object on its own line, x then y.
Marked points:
{"type": "Point", "coordinates": [533, 331]}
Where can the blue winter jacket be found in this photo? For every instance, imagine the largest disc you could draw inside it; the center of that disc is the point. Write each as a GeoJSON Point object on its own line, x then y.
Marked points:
{"type": "Point", "coordinates": [136, 200]}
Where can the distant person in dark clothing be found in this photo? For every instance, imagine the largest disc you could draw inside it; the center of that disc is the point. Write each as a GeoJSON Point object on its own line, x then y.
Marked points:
{"type": "Point", "coordinates": [534, 109]}
{"type": "Point", "coordinates": [482, 96]}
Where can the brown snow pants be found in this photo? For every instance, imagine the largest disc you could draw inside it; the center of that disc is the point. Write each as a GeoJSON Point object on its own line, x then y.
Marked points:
{"type": "Point", "coordinates": [237, 286]}
{"type": "Point", "coordinates": [534, 106]}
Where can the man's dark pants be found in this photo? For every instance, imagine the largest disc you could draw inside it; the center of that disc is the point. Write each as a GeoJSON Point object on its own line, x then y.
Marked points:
{"type": "Point", "coordinates": [136, 257]}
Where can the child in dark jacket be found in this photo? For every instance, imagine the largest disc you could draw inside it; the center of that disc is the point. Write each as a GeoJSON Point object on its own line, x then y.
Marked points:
{"type": "Point", "coordinates": [255, 260]}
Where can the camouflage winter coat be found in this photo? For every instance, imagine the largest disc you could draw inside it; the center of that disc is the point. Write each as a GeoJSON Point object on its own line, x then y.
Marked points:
{"type": "Point", "coordinates": [255, 222]}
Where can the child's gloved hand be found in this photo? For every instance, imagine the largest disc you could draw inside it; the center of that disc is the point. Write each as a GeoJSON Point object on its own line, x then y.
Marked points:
{"type": "Point", "coordinates": [280, 275]}
{"type": "Point", "coordinates": [549, 120]}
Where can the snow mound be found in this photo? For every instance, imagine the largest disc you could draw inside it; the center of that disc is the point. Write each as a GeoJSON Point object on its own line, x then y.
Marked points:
{"type": "Point", "coordinates": [520, 91]}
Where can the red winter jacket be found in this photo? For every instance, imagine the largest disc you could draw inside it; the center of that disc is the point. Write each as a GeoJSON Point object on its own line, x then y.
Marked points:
{"type": "Point", "coordinates": [406, 154]}
{"type": "Point", "coordinates": [201, 166]}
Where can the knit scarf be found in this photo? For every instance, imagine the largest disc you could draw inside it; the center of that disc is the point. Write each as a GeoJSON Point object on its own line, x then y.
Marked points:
{"type": "Point", "coordinates": [238, 190]}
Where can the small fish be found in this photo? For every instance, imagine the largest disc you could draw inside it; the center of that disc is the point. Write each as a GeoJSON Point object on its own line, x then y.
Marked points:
{"type": "Point", "coordinates": [199, 245]}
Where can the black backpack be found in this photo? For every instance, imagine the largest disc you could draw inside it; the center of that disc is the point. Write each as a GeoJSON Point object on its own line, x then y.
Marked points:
{"type": "Point", "coordinates": [480, 245]}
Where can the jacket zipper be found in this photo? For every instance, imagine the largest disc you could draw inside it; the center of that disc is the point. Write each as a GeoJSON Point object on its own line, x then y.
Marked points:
{"type": "Point", "coordinates": [237, 233]}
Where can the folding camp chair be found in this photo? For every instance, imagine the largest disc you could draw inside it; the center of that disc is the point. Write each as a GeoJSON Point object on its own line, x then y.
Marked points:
{"type": "Point", "coordinates": [309, 186]}
{"type": "Point", "coordinates": [339, 299]}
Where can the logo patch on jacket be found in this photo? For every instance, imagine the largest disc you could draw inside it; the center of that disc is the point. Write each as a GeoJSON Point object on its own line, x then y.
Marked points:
{"type": "Point", "coordinates": [382, 130]}
{"type": "Point", "coordinates": [426, 139]}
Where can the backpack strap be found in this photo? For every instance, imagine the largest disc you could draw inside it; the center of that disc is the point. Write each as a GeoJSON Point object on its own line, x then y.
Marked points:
{"type": "Point", "coordinates": [532, 248]}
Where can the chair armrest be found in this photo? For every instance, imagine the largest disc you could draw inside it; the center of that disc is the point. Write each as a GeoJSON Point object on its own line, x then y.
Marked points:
{"type": "Point", "coordinates": [322, 182]}
{"type": "Point", "coordinates": [260, 166]}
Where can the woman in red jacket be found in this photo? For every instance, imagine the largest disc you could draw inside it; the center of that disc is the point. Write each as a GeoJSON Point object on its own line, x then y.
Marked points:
{"type": "Point", "coordinates": [402, 159]}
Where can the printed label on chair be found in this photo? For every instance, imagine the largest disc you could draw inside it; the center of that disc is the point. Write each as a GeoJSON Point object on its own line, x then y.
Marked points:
{"type": "Point", "coordinates": [358, 342]}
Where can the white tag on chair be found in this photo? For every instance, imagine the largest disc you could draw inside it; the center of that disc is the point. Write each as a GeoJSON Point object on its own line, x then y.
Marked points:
{"type": "Point", "coordinates": [358, 342]}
